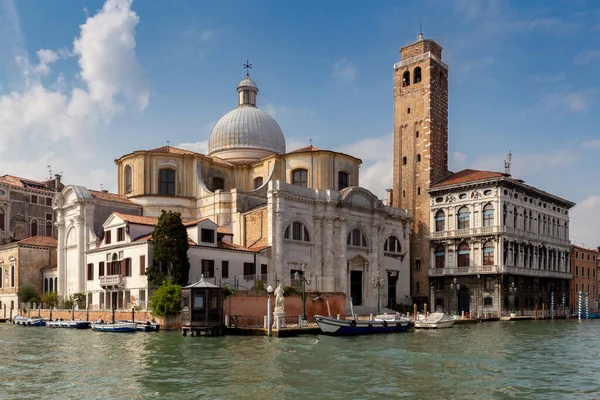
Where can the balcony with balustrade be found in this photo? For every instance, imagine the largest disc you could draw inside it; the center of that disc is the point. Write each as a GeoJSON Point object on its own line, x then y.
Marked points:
{"type": "Point", "coordinates": [498, 269]}
{"type": "Point", "coordinates": [112, 281]}
{"type": "Point", "coordinates": [470, 232]}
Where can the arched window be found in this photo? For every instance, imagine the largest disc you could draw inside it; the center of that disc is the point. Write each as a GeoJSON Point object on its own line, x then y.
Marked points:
{"type": "Point", "coordinates": [49, 228]}
{"type": "Point", "coordinates": [46, 285]}
{"type": "Point", "coordinates": [417, 77]}
{"type": "Point", "coordinates": [406, 79]}
{"type": "Point", "coordinates": [127, 178]}
{"type": "Point", "coordinates": [392, 245]}
{"type": "Point", "coordinates": [342, 180]}
{"type": "Point", "coordinates": [440, 256]}
{"type": "Point", "coordinates": [51, 286]}
{"type": "Point", "coordinates": [34, 227]}
{"type": "Point", "coordinates": [488, 215]}
{"type": "Point", "coordinates": [356, 238]}
{"type": "Point", "coordinates": [258, 182]}
{"type": "Point", "coordinates": [1, 273]}
{"type": "Point", "coordinates": [218, 183]}
{"type": "Point", "coordinates": [296, 231]}
{"type": "Point", "coordinates": [12, 274]}
{"type": "Point", "coordinates": [515, 215]}
{"type": "Point", "coordinates": [56, 284]}
{"type": "Point", "coordinates": [300, 177]}
{"type": "Point", "coordinates": [404, 160]}
{"type": "Point", "coordinates": [464, 255]}
{"type": "Point", "coordinates": [166, 183]}
{"type": "Point", "coordinates": [488, 253]}
{"type": "Point", "coordinates": [418, 158]}
{"type": "Point", "coordinates": [463, 218]}
{"type": "Point", "coordinates": [1, 219]}
{"type": "Point", "coordinates": [440, 221]}
{"type": "Point", "coordinates": [504, 214]}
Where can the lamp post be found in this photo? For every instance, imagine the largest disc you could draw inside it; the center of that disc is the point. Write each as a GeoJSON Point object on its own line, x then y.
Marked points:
{"type": "Point", "coordinates": [270, 311]}
{"type": "Point", "coordinates": [378, 283]}
{"type": "Point", "coordinates": [513, 292]}
{"type": "Point", "coordinates": [305, 280]}
{"type": "Point", "coordinates": [456, 287]}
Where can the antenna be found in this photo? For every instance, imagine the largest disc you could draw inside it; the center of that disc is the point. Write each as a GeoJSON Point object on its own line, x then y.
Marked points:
{"type": "Point", "coordinates": [101, 188]}
{"type": "Point", "coordinates": [507, 163]}
{"type": "Point", "coordinates": [420, 36]}
{"type": "Point", "coordinates": [310, 142]}
{"type": "Point", "coordinates": [49, 172]}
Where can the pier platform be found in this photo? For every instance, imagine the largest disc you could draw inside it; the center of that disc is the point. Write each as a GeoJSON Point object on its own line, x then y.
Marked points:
{"type": "Point", "coordinates": [284, 332]}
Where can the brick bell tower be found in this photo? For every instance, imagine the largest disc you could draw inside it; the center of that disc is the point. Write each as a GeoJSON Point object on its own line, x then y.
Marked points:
{"type": "Point", "coordinates": [420, 146]}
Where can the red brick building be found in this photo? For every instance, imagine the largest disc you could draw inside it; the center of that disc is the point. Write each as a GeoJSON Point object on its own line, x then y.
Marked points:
{"type": "Point", "coordinates": [584, 267]}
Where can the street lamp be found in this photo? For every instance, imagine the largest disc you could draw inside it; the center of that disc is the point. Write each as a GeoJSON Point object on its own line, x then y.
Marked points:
{"type": "Point", "coordinates": [378, 283]}
{"type": "Point", "coordinates": [513, 292]}
{"type": "Point", "coordinates": [270, 311]}
{"type": "Point", "coordinates": [456, 287]}
{"type": "Point", "coordinates": [305, 280]}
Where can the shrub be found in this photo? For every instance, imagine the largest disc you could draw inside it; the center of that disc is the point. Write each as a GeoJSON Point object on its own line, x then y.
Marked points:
{"type": "Point", "coordinates": [260, 285]}
{"type": "Point", "coordinates": [166, 299]}
{"type": "Point", "coordinates": [227, 291]}
{"type": "Point", "coordinates": [50, 299]}
{"type": "Point", "coordinates": [68, 302]}
{"type": "Point", "coordinates": [28, 294]}
{"type": "Point", "coordinates": [290, 291]}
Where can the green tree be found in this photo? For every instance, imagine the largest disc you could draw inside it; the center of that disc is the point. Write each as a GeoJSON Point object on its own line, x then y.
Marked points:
{"type": "Point", "coordinates": [28, 294]}
{"type": "Point", "coordinates": [50, 299]}
{"type": "Point", "coordinates": [166, 299]}
{"type": "Point", "coordinates": [169, 251]}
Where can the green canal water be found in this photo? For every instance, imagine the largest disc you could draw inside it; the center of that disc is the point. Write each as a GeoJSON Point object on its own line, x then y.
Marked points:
{"type": "Point", "coordinates": [497, 360]}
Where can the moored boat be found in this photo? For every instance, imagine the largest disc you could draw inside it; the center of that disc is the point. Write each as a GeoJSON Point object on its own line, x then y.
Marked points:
{"type": "Point", "coordinates": [29, 321]}
{"type": "Point", "coordinates": [437, 320]}
{"type": "Point", "coordinates": [384, 323]}
{"type": "Point", "coordinates": [115, 327]}
{"type": "Point", "coordinates": [148, 327]}
{"type": "Point", "coordinates": [74, 324]}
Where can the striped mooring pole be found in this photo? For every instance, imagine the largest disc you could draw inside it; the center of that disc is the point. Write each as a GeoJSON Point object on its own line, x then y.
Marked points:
{"type": "Point", "coordinates": [552, 305]}
{"type": "Point", "coordinates": [563, 306]}
{"type": "Point", "coordinates": [587, 305]}
{"type": "Point", "coordinates": [579, 305]}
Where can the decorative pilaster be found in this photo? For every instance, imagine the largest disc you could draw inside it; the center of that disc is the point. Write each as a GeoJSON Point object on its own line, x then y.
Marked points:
{"type": "Point", "coordinates": [81, 248]}
{"type": "Point", "coordinates": [318, 257]}
{"type": "Point", "coordinates": [329, 248]}
{"type": "Point", "coordinates": [279, 245]}
{"type": "Point", "coordinates": [60, 257]}
{"type": "Point", "coordinates": [343, 263]}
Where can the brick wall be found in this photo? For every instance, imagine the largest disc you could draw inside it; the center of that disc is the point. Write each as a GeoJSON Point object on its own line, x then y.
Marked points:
{"type": "Point", "coordinates": [256, 228]}
{"type": "Point", "coordinates": [249, 303]}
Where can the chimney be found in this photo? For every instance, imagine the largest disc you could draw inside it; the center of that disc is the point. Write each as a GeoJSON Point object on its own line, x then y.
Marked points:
{"type": "Point", "coordinates": [58, 186]}
{"type": "Point", "coordinates": [390, 196]}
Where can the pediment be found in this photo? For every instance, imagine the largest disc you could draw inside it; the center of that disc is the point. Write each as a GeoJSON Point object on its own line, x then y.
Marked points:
{"type": "Point", "coordinates": [360, 197]}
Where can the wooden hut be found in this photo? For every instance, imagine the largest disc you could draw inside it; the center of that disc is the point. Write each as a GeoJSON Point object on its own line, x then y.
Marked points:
{"type": "Point", "coordinates": [202, 309]}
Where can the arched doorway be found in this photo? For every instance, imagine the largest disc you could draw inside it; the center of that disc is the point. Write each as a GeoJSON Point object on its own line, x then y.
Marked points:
{"type": "Point", "coordinates": [463, 300]}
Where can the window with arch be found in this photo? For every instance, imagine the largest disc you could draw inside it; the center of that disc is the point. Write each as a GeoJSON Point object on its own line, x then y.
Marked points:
{"type": "Point", "coordinates": [166, 182]}
{"type": "Point", "coordinates": [464, 255]}
{"type": "Point", "coordinates": [417, 134]}
{"type": "Point", "coordinates": [12, 274]}
{"type": "Point", "coordinates": [2, 219]}
{"type": "Point", "coordinates": [296, 231]}
{"type": "Point", "coordinates": [34, 227]}
{"type": "Point", "coordinates": [515, 216]}
{"type": "Point", "coordinates": [46, 288]}
{"type": "Point", "coordinates": [406, 78]}
{"type": "Point", "coordinates": [418, 158]}
{"type": "Point", "coordinates": [404, 160]}
{"type": "Point", "coordinates": [51, 285]}
{"type": "Point", "coordinates": [128, 178]}
{"type": "Point", "coordinates": [300, 177]}
{"type": "Point", "coordinates": [419, 191]}
{"type": "Point", "coordinates": [356, 238]}
{"type": "Point", "coordinates": [463, 218]}
{"type": "Point", "coordinates": [392, 245]}
{"type": "Point", "coordinates": [440, 256]}
{"type": "Point", "coordinates": [342, 180]}
{"type": "Point", "coordinates": [488, 215]}
{"type": "Point", "coordinates": [417, 77]}
{"type": "Point", "coordinates": [218, 183]}
{"type": "Point", "coordinates": [1, 273]}
{"type": "Point", "coordinates": [49, 228]}
{"type": "Point", "coordinates": [488, 253]}
{"type": "Point", "coordinates": [504, 214]}
{"type": "Point", "coordinates": [258, 182]}
{"type": "Point", "coordinates": [440, 221]}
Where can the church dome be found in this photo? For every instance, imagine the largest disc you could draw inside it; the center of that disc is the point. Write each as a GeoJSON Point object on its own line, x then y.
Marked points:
{"type": "Point", "coordinates": [246, 133]}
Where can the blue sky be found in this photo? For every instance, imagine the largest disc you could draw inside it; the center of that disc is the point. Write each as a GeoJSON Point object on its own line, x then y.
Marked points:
{"type": "Point", "coordinates": [118, 76]}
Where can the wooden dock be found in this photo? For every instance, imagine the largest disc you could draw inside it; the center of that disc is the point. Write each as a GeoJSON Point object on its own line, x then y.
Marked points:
{"type": "Point", "coordinates": [284, 332]}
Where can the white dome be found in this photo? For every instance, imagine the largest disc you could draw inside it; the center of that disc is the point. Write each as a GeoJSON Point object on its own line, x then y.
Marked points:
{"type": "Point", "coordinates": [246, 127]}
{"type": "Point", "coordinates": [246, 133]}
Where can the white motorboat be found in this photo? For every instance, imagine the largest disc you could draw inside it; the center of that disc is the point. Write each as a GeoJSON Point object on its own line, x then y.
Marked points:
{"type": "Point", "coordinates": [436, 320]}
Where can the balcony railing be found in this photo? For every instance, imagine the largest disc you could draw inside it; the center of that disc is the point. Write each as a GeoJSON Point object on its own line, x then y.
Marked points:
{"type": "Point", "coordinates": [509, 269]}
{"type": "Point", "coordinates": [482, 230]}
{"type": "Point", "coordinates": [111, 280]}
{"type": "Point", "coordinates": [498, 269]}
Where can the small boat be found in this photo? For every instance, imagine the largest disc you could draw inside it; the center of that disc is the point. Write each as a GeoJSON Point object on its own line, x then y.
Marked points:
{"type": "Point", "coordinates": [74, 324]}
{"type": "Point", "coordinates": [143, 326]}
{"type": "Point", "coordinates": [436, 320]}
{"type": "Point", "coordinates": [29, 321]}
{"type": "Point", "coordinates": [384, 323]}
{"type": "Point", "coordinates": [116, 327]}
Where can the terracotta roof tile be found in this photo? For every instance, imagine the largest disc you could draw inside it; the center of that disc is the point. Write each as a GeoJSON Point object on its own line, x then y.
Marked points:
{"type": "Point", "coordinates": [21, 182]}
{"type": "Point", "coordinates": [40, 241]}
{"type": "Point", "coordinates": [145, 238]}
{"type": "Point", "coordinates": [194, 222]}
{"type": "Point", "coordinates": [102, 195]}
{"type": "Point", "coordinates": [467, 175]}
{"type": "Point", "coordinates": [172, 150]}
{"type": "Point", "coordinates": [305, 149]}
{"type": "Point", "coordinates": [231, 246]}
{"type": "Point", "coordinates": [137, 219]}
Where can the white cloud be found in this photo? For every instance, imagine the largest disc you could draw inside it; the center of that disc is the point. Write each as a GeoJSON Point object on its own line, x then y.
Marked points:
{"type": "Point", "coordinates": [376, 173]}
{"type": "Point", "coordinates": [524, 165]}
{"type": "Point", "coordinates": [591, 144]}
{"type": "Point", "coordinates": [574, 101]}
{"type": "Point", "coordinates": [586, 57]}
{"type": "Point", "coordinates": [53, 124]}
{"type": "Point", "coordinates": [198, 147]}
{"type": "Point", "coordinates": [585, 222]}
{"type": "Point", "coordinates": [344, 70]}
{"type": "Point", "coordinates": [458, 162]}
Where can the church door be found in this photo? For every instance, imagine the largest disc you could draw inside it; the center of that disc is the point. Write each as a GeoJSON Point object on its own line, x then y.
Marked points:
{"type": "Point", "coordinates": [356, 287]}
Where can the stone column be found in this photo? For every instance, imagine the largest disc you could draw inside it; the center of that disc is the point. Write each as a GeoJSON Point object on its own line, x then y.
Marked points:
{"type": "Point", "coordinates": [60, 257]}
{"type": "Point", "coordinates": [81, 248]}
{"type": "Point", "coordinates": [328, 249]}
{"type": "Point", "coordinates": [343, 263]}
{"type": "Point", "coordinates": [279, 245]}
{"type": "Point", "coordinates": [318, 253]}
{"type": "Point", "coordinates": [372, 292]}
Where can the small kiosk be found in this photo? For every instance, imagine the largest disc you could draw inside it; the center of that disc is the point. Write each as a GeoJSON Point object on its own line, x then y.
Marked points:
{"type": "Point", "coordinates": [202, 309]}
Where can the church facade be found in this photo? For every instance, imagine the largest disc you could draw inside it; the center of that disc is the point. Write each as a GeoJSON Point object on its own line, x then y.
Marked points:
{"type": "Point", "coordinates": [483, 242]}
